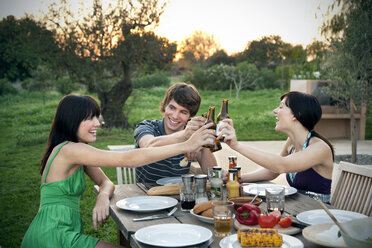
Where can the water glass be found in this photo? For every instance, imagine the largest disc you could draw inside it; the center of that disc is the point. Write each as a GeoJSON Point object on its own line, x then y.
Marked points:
{"type": "Point", "coordinates": [187, 198]}
{"type": "Point", "coordinates": [223, 213]}
{"type": "Point", "coordinates": [275, 198]}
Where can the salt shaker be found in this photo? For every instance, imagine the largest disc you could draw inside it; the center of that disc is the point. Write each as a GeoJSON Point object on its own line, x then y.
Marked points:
{"type": "Point", "coordinates": [201, 188]}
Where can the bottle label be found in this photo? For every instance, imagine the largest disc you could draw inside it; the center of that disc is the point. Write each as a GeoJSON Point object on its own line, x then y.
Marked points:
{"type": "Point", "coordinates": [218, 128]}
{"type": "Point", "coordinates": [216, 193]}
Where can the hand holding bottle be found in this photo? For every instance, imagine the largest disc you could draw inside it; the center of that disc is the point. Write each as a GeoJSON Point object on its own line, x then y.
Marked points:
{"type": "Point", "coordinates": [228, 131]}
{"type": "Point", "coordinates": [193, 125]}
{"type": "Point", "coordinates": [200, 138]}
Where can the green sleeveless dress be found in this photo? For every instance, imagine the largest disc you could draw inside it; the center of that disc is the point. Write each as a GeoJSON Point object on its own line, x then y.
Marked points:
{"type": "Point", "coordinates": [58, 222]}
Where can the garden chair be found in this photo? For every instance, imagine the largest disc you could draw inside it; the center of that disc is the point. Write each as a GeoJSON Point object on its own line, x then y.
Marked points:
{"type": "Point", "coordinates": [353, 189]}
{"type": "Point", "coordinates": [126, 175]}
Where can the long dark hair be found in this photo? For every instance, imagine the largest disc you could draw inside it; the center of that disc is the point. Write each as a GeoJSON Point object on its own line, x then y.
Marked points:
{"type": "Point", "coordinates": [307, 110]}
{"type": "Point", "coordinates": [71, 111]}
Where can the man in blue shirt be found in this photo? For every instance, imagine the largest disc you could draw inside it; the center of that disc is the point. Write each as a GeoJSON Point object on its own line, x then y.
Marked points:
{"type": "Point", "coordinates": [179, 106]}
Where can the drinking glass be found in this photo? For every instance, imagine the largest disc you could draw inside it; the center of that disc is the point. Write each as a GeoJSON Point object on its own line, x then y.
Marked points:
{"type": "Point", "coordinates": [187, 198]}
{"type": "Point", "coordinates": [275, 198]}
{"type": "Point", "coordinates": [223, 212]}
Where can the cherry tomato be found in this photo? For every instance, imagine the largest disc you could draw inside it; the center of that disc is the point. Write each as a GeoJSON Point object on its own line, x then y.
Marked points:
{"type": "Point", "coordinates": [266, 221]}
{"type": "Point", "coordinates": [285, 222]}
{"type": "Point", "coordinates": [277, 214]}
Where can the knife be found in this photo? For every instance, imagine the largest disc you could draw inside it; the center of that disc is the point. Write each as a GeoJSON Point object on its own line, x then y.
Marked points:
{"type": "Point", "coordinates": [295, 222]}
{"type": "Point", "coordinates": [157, 216]}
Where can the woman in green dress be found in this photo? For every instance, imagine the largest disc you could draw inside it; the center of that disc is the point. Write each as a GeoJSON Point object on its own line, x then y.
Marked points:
{"type": "Point", "coordinates": [67, 156]}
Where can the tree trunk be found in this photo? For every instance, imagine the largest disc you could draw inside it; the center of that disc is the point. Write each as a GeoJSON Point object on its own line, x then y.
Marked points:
{"type": "Point", "coordinates": [353, 132]}
{"type": "Point", "coordinates": [112, 102]}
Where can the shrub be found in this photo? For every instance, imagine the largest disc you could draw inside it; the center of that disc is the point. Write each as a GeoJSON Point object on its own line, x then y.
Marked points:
{"type": "Point", "coordinates": [65, 86]}
{"type": "Point", "coordinates": [150, 81]}
{"type": "Point", "coordinates": [267, 80]}
{"type": "Point", "coordinates": [6, 87]}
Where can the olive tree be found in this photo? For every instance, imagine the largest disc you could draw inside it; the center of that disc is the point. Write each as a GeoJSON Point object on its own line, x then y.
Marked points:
{"type": "Point", "coordinates": [103, 47]}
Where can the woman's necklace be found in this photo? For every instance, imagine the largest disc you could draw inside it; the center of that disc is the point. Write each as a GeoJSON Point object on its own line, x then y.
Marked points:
{"type": "Point", "coordinates": [293, 175]}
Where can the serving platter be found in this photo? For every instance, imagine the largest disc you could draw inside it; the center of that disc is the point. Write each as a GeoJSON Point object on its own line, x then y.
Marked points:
{"type": "Point", "coordinates": [289, 230]}
{"type": "Point", "coordinates": [288, 242]}
{"type": "Point", "coordinates": [254, 188]}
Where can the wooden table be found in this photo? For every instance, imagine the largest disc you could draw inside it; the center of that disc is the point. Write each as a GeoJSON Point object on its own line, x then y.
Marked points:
{"type": "Point", "coordinates": [294, 204]}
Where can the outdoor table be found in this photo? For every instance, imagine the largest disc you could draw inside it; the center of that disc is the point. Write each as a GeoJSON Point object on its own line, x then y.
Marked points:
{"type": "Point", "coordinates": [294, 204]}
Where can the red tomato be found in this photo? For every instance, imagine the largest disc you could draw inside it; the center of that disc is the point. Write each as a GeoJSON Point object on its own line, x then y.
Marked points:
{"type": "Point", "coordinates": [277, 214]}
{"type": "Point", "coordinates": [266, 221]}
{"type": "Point", "coordinates": [285, 222]}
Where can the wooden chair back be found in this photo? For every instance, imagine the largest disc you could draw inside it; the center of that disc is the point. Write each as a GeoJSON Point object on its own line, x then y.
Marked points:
{"type": "Point", "coordinates": [353, 190]}
{"type": "Point", "coordinates": [123, 174]}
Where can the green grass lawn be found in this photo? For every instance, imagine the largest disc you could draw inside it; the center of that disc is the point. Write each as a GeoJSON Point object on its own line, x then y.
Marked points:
{"type": "Point", "coordinates": [24, 130]}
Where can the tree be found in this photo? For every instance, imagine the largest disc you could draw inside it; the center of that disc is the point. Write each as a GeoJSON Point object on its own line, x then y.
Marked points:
{"type": "Point", "coordinates": [348, 64]}
{"type": "Point", "coordinates": [265, 52]}
{"type": "Point", "coordinates": [103, 49]}
{"type": "Point", "coordinates": [198, 47]}
{"type": "Point", "coordinates": [24, 44]}
{"type": "Point", "coordinates": [243, 75]}
{"type": "Point", "coordinates": [220, 57]}
{"type": "Point", "coordinates": [42, 80]}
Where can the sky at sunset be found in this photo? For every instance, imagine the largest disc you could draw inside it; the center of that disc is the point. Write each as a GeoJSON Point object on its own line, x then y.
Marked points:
{"type": "Point", "coordinates": [232, 22]}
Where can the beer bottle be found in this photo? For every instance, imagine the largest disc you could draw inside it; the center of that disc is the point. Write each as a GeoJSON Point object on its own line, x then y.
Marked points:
{"type": "Point", "coordinates": [233, 161]}
{"type": "Point", "coordinates": [217, 146]}
{"type": "Point", "coordinates": [210, 118]}
{"type": "Point", "coordinates": [224, 114]}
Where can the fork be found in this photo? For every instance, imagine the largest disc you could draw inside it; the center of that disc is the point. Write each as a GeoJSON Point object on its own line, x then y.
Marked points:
{"type": "Point", "coordinates": [157, 216]}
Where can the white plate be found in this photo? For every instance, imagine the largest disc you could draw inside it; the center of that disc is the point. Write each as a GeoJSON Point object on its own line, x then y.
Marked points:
{"type": "Point", "coordinates": [288, 242]}
{"type": "Point", "coordinates": [146, 203]}
{"type": "Point", "coordinates": [325, 234]}
{"type": "Point", "coordinates": [319, 216]}
{"type": "Point", "coordinates": [173, 235]}
{"type": "Point", "coordinates": [167, 180]}
{"type": "Point", "coordinates": [253, 188]}
{"type": "Point", "coordinates": [202, 218]}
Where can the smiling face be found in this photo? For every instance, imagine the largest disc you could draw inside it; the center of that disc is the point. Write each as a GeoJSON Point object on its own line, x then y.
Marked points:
{"type": "Point", "coordinates": [88, 130]}
{"type": "Point", "coordinates": [284, 116]}
{"type": "Point", "coordinates": [175, 117]}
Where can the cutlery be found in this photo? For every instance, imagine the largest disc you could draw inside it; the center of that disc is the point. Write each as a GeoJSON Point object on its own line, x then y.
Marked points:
{"type": "Point", "coordinates": [157, 216]}
{"type": "Point", "coordinates": [295, 222]}
{"type": "Point", "coordinates": [254, 198]}
{"type": "Point", "coordinates": [333, 217]}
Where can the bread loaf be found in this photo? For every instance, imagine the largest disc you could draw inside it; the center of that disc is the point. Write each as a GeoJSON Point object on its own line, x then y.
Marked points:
{"type": "Point", "coordinates": [169, 189]}
{"type": "Point", "coordinates": [208, 213]}
{"type": "Point", "coordinates": [202, 206]}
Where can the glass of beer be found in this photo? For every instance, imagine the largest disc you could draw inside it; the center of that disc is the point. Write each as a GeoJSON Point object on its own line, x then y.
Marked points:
{"type": "Point", "coordinates": [223, 213]}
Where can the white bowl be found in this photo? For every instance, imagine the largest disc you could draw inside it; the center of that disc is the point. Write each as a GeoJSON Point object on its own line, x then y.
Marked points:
{"type": "Point", "coordinates": [202, 218]}
{"type": "Point", "coordinates": [359, 230]}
